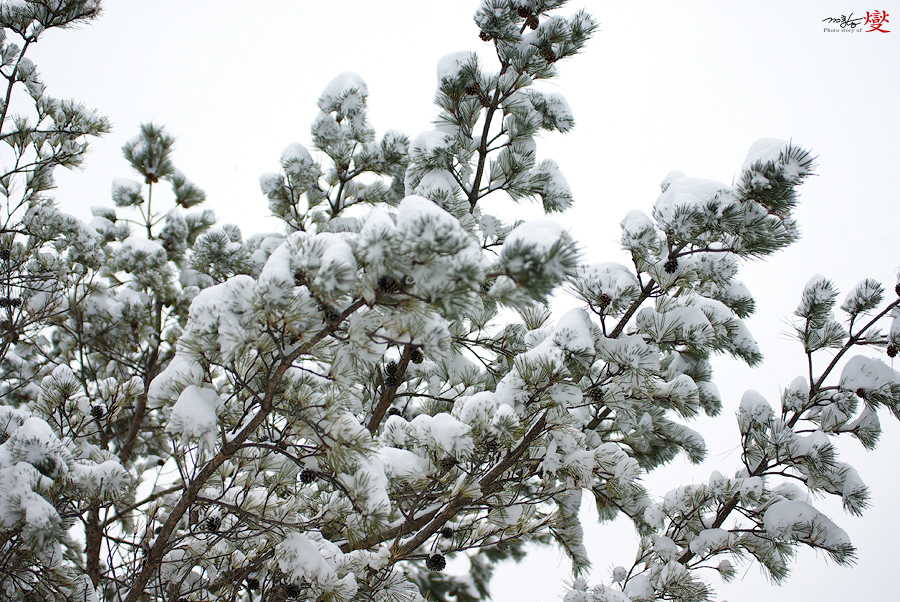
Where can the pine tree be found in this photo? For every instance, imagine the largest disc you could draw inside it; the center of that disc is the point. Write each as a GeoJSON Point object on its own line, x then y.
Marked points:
{"type": "Point", "coordinates": [44, 253]}
{"type": "Point", "coordinates": [333, 412]}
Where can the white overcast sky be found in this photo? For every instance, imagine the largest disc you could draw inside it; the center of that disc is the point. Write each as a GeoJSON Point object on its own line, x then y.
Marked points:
{"type": "Point", "coordinates": [662, 86]}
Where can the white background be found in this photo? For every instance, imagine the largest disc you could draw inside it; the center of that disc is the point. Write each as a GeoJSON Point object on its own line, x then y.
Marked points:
{"type": "Point", "coordinates": [662, 86]}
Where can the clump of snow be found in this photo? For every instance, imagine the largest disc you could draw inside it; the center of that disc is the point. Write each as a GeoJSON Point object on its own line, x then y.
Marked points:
{"type": "Point", "coordinates": [867, 295]}
{"type": "Point", "coordinates": [554, 110]}
{"type": "Point", "coordinates": [751, 489]}
{"type": "Point", "coordinates": [613, 280]}
{"type": "Point", "coordinates": [368, 482]}
{"type": "Point", "coordinates": [270, 182]}
{"type": "Point", "coordinates": [677, 323]}
{"type": "Point", "coordinates": [402, 464]}
{"type": "Point", "coordinates": [335, 268]}
{"type": "Point", "coordinates": [36, 444]}
{"type": "Point", "coordinates": [428, 142]}
{"type": "Point", "coordinates": [684, 195]}
{"type": "Point", "coordinates": [450, 65]}
{"type": "Point", "coordinates": [194, 416]}
{"type": "Point", "coordinates": [639, 588]}
{"type": "Point", "coordinates": [377, 239]}
{"type": "Point", "coordinates": [796, 396]}
{"type": "Point", "coordinates": [616, 464]}
{"type": "Point", "coordinates": [628, 350]}
{"type": "Point", "coordinates": [552, 186]}
{"type": "Point", "coordinates": [125, 186]}
{"type": "Point", "coordinates": [394, 142]}
{"type": "Point", "coordinates": [540, 362]}
{"type": "Point", "coordinates": [868, 375]}
{"type": "Point", "coordinates": [796, 520]}
{"type": "Point", "coordinates": [126, 193]}
{"type": "Point", "coordinates": [436, 184]}
{"type": "Point", "coordinates": [345, 93]}
{"type": "Point", "coordinates": [505, 421]}
{"type": "Point", "coordinates": [21, 507]}
{"type": "Point", "coordinates": [572, 333]}
{"type": "Point", "coordinates": [790, 491]}
{"type": "Point", "coordinates": [137, 244]}
{"type": "Point", "coordinates": [671, 177]}
{"type": "Point", "coordinates": [638, 232]}
{"type": "Point", "coordinates": [305, 560]}
{"type": "Point", "coordinates": [709, 540]}
{"type": "Point", "coordinates": [754, 411]}
{"type": "Point", "coordinates": [219, 316]}
{"type": "Point", "coordinates": [108, 480]}
{"type": "Point", "coordinates": [479, 409]}
{"type": "Point", "coordinates": [296, 161]}
{"type": "Point", "coordinates": [181, 371]}
{"type": "Point", "coordinates": [665, 547]}
{"type": "Point", "coordinates": [654, 515]}
{"type": "Point", "coordinates": [539, 236]}
{"type": "Point", "coordinates": [447, 433]}
{"type": "Point", "coordinates": [428, 227]}
{"type": "Point", "coordinates": [817, 298]}
{"type": "Point", "coordinates": [765, 150]}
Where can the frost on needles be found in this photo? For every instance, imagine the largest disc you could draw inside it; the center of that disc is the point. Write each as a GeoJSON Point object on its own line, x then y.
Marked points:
{"type": "Point", "coordinates": [331, 411]}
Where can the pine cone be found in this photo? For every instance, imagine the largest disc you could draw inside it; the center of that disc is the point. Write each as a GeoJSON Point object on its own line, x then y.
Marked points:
{"type": "Point", "coordinates": [330, 531]}
{"type": "Point", "coordinates": [472, 89]}
{"type": "Point", "coordinates": [417, 357]}
{"type": "Point", "coordinates": [596, 394]}
{"type": "Point", "coordinates": [531, 22]}
{"type": "Point", "coordinates": [485, 36]}
{"type": "Point", "coordinates": [604, 300]}
{"type": "Point", "coordinates": [392, 411]}
{"type": "Point", "coordinates": [330, 315]}
{"type": "Point", "coordinates": [549, 55]}
{"type": "Point", "coordinates": [503, 545]}
{"type": "Point", "coordinates": [213, 523]}
{"type": "Point", "coordinates": [253, 584]}
{"type": "Point", "coordinates": [391, 368]}
{"type": "Point", "coordinates": [299, 278]}
{"type": "Point", "coordinates": [97, 411]}
{"type": "Point", "coordinates": [436, 562]}
{"type": "Point", "coordinates": [670, 266]}
{"type": "Point", "coordinates": [862, 393]}
{"type": "Point", "coordinates": [448, 462]}
{"type": "Point", "coordinates": [308, 475]}
{"type": "Point", "coordinates": [5, 301]}
{"type": "Point", "coordinates": [391, 381]}
{"type": "Point", "coordinates": [897, 290]}
{"type": "Point", "coordinates": [447, 532]}
{"type": "Point", "coordinates": [388, 284]}
{"type": "Point", "coordinates": [293, 590]}
{"type": "Point", "coordinates": [891, 351]}
{"type": "Point", "coordinates": [523, 11]}
{"type": "Point", "coordinates": [4, 254]}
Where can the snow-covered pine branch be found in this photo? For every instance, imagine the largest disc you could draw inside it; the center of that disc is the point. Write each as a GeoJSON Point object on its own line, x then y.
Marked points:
{"type": "Point", "coordinates": [332, 411]}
